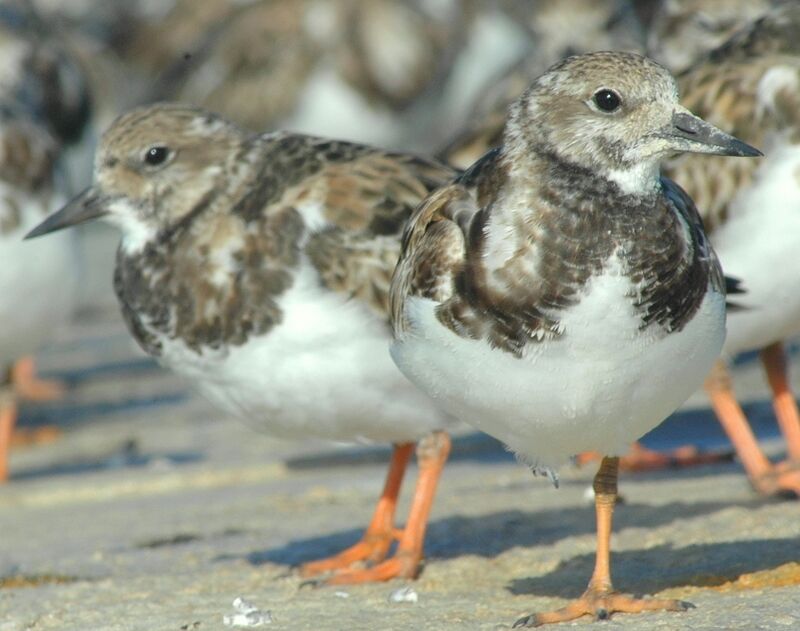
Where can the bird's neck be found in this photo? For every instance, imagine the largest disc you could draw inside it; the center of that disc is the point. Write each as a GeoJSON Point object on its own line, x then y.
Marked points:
{"type": "Point", "coordinates": [547, 175]}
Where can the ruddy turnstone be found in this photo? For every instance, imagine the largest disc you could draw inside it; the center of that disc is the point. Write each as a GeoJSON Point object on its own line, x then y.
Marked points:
{"type": "Point", "coordinates": [751, 87]}
{"type": "Point", "coordinates": [559, 295]}
{"type": "Point", "coordinates": [258, 266]}
{"type": "Point", "coordinates": [34, 297]}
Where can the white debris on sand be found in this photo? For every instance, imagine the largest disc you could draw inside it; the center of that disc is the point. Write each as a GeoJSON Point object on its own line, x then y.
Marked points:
{"type": "Point", "coordinates": [247, 615]}
{"type": "Point", "coordinates": [404, 595]}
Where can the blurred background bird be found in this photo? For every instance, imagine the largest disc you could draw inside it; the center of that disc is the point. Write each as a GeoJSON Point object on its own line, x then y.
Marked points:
{"type": "Point", "coordinates": [44, 111]}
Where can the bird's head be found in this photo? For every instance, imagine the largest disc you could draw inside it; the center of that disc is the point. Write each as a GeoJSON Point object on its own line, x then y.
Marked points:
{"type": "Point", "coordinates": [155, 166]}
{"type": "Point", "coordinates": [614, 113]}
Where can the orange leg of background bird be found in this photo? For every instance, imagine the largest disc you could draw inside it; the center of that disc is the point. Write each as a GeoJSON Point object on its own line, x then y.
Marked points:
{"type": "Point", "coordinates": [28, 386]}
{"type": "Point", "coordinates": [640, 458]}
{"type": "Point", "coordinates": [600, 600]}
{"type": "Point", "coordinates": [8, 417]}
{"type": "Point", "coordinates": [774, 360]}
{"type": "Point", "coordinates": [766, 478]}
{"type": "Point", "coordinates": [380, 534]}
{"type": "Point", "coordinates": [432, 452]}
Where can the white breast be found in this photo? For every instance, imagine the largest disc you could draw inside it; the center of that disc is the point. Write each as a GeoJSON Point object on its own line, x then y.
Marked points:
{"type": "Point", "coordinates": [601, 385]}
{"type": "Point", "coordinates": [325, 371]}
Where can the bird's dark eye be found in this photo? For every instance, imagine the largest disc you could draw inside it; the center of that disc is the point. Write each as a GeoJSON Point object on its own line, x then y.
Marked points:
{"type": "Point", "coordinates": [606, 100]}
{"type": "Point", "coordinates": [156, 155]}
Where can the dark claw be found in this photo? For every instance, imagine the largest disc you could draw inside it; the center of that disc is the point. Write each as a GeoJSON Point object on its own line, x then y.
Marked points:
{"type": "Point", "coordinates": [686, 605]}
{"type": "Point", "coordinates": [525, 621]}
{"type": "Point", "coordinates": [602, 614]}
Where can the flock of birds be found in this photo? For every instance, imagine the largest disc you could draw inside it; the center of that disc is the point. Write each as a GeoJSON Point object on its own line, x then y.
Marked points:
{"type": "Point", "coordinates": [551, 275]}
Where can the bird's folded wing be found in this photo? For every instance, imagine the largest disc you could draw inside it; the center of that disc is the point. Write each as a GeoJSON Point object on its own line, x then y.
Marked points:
{"type": "Point", "coordinates": [366, 204]}
{"type": "Point", "coordinates": [433, 249]}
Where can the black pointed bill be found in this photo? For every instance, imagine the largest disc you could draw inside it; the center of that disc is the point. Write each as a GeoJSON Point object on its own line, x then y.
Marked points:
{"type": "Point", "coordinates": [690, 133]}
{"type": "Point", "coordinates": [84, 207]}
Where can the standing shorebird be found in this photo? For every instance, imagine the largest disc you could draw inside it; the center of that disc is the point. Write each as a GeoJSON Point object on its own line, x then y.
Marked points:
{"type": "Point", "coordinates": [559, 295]}
{"type": "Point", "coordinates": [258, 267]}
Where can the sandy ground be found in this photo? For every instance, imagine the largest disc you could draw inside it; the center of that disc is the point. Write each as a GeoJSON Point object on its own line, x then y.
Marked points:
{"type": "Point", "coordinates": [152, 512]}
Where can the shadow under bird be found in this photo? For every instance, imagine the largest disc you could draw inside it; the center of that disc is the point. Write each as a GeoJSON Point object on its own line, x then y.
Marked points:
{"type": "Point", "coordinates": [560, 295]}
{"type": "Point", "coordinates": [258, 266]}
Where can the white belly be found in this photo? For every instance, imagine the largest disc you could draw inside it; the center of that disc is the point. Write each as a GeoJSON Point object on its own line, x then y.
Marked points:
{"type": "Point", "coordinates": [759, 244]}
{"type": "Point", "coordinates": [599, 387]}
{"type": "Point", "coordinates": [325, 372]}
{"type": "Point", "coordinates": [38, 279]}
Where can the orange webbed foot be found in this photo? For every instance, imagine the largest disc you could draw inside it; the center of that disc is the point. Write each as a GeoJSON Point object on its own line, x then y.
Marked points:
{"type": "Point", "coordinates": [782, 480]}
{"type": "Point", "coordinates": [399, 566]}
{"type": "Point", "coordinates": [601, 605]}
{"type": "Point", "coordinates": [372, 549]}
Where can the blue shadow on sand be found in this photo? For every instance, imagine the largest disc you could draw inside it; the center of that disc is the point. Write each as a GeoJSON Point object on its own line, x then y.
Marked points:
{"type": "Point", "coordinates": [492, 534]}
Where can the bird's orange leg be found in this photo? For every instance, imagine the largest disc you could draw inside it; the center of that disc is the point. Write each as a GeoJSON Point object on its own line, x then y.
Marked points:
{"type": "Point", "coordinates": [774, 360]}
{"type": "Point", "coordinates": [765, 478]}
{"type": "Point", "coordinates": [432, 452]}
{"type": "Point", "coordinates": [379, 535]}
{"type": "Point", "coordinates": [8, 417]}
{"type": "Point", "coordinates": [600, 599]}
{"type": "Point", "coordinates": [640, 458]}
{"type": "Point", "coordinates": [28, 386]}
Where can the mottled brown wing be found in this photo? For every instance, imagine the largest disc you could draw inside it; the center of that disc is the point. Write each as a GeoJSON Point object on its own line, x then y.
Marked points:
{"type": "Point", "coordinates": [366, 203]}
{"type": "Point", "coordinates": [376, 192]}
{"type": "Point", "coordinates": [356, 264]}
{"type": "Point", "coordinates": [433, 250]}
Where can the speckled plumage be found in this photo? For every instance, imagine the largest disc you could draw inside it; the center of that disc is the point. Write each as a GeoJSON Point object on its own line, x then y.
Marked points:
{"type": "Point", "coordinates": [244, 250]}
{"type": "Point", "coordinates": [560, 295]}
{"type": "Point", "coordinates": [518, 303]}
{"type": "Point", "coordinates": [512, 248]}
{"type": "Point", "coordinates": [257, 215]}
{"type": "Point", "coordinates": [257, 266]}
